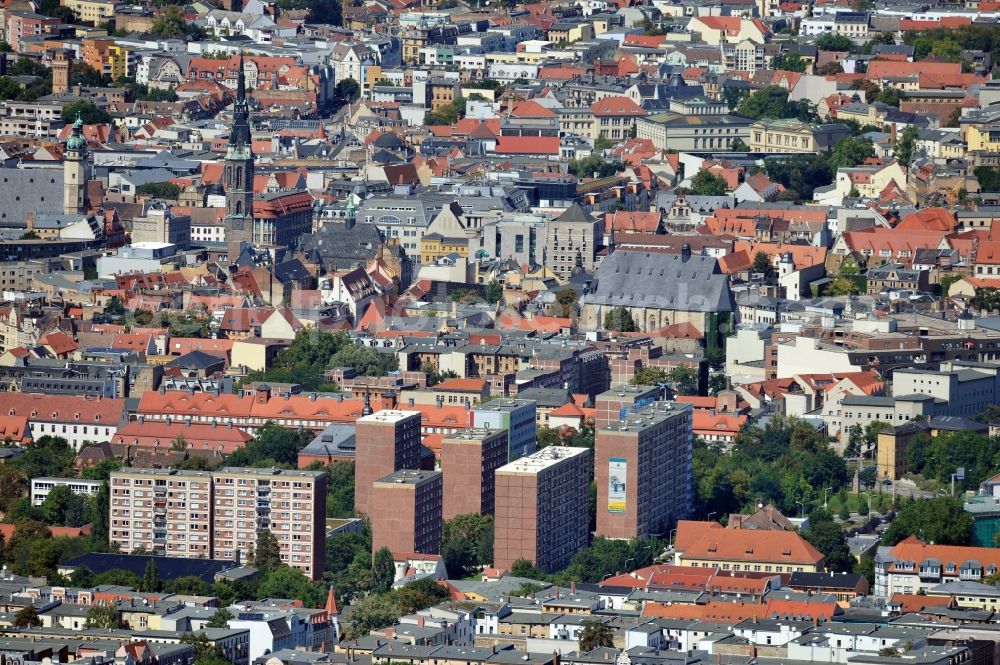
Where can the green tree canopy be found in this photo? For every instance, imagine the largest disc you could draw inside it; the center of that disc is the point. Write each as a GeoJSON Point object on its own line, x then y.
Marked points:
{"type": "Point", "coordinates": [738, 145]}
{"type": "Point", "coordinates": [685, 380]}
{"type": "Point", "coordinates": [103, 616]}
{"type": "Point", "coordinates": [785, 462]}
{"type": "Point", "coordinates": [161, 190]}
{"type": "Point", "coordinates": [596, 634]}
{"type": "Point", "coordinates": [648, 375]}
{"type": "Point", "coordinates": [594, 164]}
{"type": "Point", "coordinates": [170, 23]}
{"type": "Point", "coordinates": [834, 43]}
{"type": "Point", "coordinates": [850, 152]}
{"type": "Point", "coordinates": [448, 114]}
{"type": "Point", "coordinates": [619, 319]}
{"type": "Point", "coordinates": [566, 299]}
{"type": "Point", "coordinates": [64, 508]}
{"type": "Point", "coordinates": [266, 554]}
{"type": "Point", "coordinates": [87, 110]}
{"type": "Point", "coordinates": [349, 563]}
{"type": "Point", "coordinates": [493, 292]}
{"type": "Point", "coordinates": [799, 174]}
{"type": "Point", "coordinates": [905, 146]}
{"type": "Point", "coordinates": [706, 183]}
{"type": "Point", "coordinates": [939, 520]}
{"type": "Point", "coordinates": [286, 582]}
{"type": "Point", "coordinates": [825, 535]}
{"type": "Point", "coordinates": [13, 485]}
{"type": "Point", "coordinates": [340, 492]}
{"type": "Point", "coordinates": [271, 445]}
{"type": "Point", "coordinates": [789, 62]}
{"type": "Point", "coordinates": [50, 456]}
{"type": "Point", "coordinates": [467, 543]}
{"type": "Point", "coordinates": [221, 618]}
{"type": "Point", "coordinates": [938, 457]}
{"type": "Point", "coordinates": [327, 12]}
{"type": "Point", "coordinates": [347, 90]}
{"type": "Point", "coordinates": [371, 613]}
{"type": "Point", "coordinates": [772, 102]}
{"type": "Point", "coordinates": [27, 617]}
{"type": "Point", "coordinates": [988, 177]}
{"type": "Point", "coordinates": [383, 570]}
{"type": "Point", "coordinates": [150, 578]}
{"type": "Point", "coordinates": [762, 264]}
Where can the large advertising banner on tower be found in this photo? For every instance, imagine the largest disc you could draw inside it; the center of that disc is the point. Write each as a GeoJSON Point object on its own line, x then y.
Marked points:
{"type": "Point", "coordinates": [616, 484]}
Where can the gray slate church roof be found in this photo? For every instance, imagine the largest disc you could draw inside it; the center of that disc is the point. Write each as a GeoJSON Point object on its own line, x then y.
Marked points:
{"type": "Point", "coordinates": [39, 191]}
{"type": "Point", "coordinates": [660, 281]}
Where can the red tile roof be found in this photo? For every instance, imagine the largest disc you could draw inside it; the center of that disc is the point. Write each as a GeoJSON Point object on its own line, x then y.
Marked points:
{"type": "Point", "coordinates": [734, 612]}
{"type": "Point", "coordinates": [632, 222]}
{"type": "Point", "coordinates": [15, 429]}
{"type": "Point", "coordinates": [703, 423]}
{"type": "Point", "coordinates": [617, 106]}
{"type": "Point", "coordinates": [531, 109]}
{"type": "Point", "coordinates": [527, 145]}
{"type": "Point", "coordinates": [879, 69]}
{"type": "Point", "coordinates": [63, 408]}
{"type": "Point", "coordinates": [803, 256]}
{"type": "Point", "coordinates": [153, 434]}
{"type": "Point", "coordinates": [462, 385]}
{"type": "Point", "coordinates": [913, 550]}
{"type": "Point", "coordinates": [929, 219]}
{"type": "Point", "coordinates": [690, 531]}
{"type": "Point", "coordinates": [780, 547]}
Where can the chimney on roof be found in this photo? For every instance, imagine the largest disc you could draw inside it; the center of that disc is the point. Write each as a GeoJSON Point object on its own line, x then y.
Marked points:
{"type": "Point", "coordinates": [685, 252]}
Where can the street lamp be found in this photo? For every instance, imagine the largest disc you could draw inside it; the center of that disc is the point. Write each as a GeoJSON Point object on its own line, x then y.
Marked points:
{"type": "Point", "coordinates": [892, 487]}
{"type": "Point", "coordinates": [868, 495]}
{"type": "Point", "coordinates": [710, 515]}
{"type": "Point", "coordinates": [825, 490]}
{"type": "Point", "coordinates": [802, 510]}
{"type": "Point", "coordinates": [671, 536]}
{"type": "Point", "coordinates": [960, 474]}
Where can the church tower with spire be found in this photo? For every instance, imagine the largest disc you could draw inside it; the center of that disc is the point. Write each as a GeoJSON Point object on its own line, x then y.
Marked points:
{"type": "Point", "coordinates": [75, 171]}
{"type": "Point", "coordinates": [237, 173]}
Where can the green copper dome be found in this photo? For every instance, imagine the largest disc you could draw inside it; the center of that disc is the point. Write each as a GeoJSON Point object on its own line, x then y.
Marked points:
{"type": "Point", "coordinates": [76, 140]}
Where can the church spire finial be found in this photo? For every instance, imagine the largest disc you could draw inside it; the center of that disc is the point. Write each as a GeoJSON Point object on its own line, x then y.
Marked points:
{"type": "Point", "coordinates": [239, 136]}
{"type": "Point", "coordinates": [241, 85]}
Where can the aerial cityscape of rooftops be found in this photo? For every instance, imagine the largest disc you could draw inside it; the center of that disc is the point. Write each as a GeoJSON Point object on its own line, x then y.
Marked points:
{"type": "Point", "coordinates": [493, 332]}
